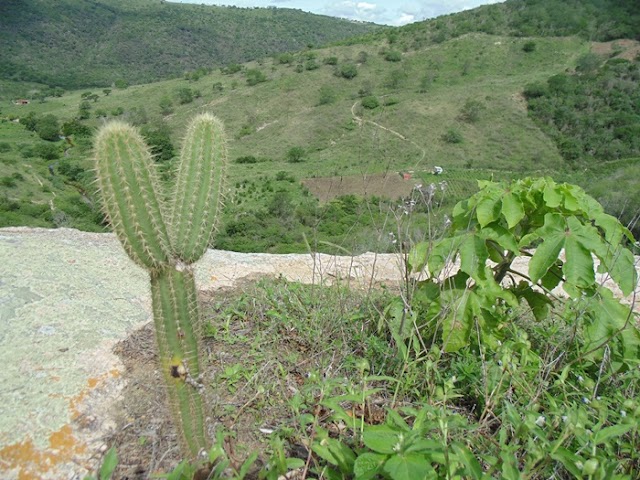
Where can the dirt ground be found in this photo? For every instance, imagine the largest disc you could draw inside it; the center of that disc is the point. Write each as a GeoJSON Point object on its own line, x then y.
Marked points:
{"type": "Point", "coordinates": [391, 185]}
{"type": "Point", "coordinates": [629, 49]}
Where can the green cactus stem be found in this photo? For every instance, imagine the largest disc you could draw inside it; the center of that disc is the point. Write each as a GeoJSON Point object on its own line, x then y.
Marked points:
{"type": "Point", "coordinates": [128, 183]}
{"type": "Point", "coordinates": [199, 187]}
{"type": "Point", "coordinates": [177, 324]}
{"type": "Point", "coordinates": [129, 188]}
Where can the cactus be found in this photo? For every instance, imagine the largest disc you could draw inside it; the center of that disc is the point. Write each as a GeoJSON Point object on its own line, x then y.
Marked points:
{"type": "Point", "coordinates": [132, 202]}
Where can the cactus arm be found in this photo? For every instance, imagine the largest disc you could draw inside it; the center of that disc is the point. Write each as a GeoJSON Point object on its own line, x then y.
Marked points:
{"type": "Point", "coordinates": [127, 184]}
{"type": "Point", "coordinates": [177, 320]}
{"type": "Point", "coordinates": [199, 187]}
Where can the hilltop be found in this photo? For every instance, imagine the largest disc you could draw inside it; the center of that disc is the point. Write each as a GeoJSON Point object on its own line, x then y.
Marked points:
{"type": "Point", "coordinates": [72, 44]}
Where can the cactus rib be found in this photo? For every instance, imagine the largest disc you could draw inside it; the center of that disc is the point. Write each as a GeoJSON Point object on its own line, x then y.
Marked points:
{"type": "Point", "coordinates": [199, 187]}
{"type": "Point", "coordinates": [176, 318]}
{"type": "Point", "coordinates": [128, 183]}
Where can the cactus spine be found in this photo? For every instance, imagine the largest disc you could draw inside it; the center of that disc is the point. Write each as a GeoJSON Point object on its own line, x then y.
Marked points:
{"type": "Point", "coordinates": [132, 202]}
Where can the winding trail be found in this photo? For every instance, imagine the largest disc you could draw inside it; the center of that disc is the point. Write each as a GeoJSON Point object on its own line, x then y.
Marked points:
{"type": "Point", "coordinates": [361, 121]}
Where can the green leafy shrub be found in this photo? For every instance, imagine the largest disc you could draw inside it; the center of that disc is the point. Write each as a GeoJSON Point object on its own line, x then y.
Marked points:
{"type": "Point", "coordinates": [452, 136]}
{"type": "Point", "coordinates": [393, 56]}
{"type": "Point", "coordinates": [504, 222]}
{"type": "Point", "coordinates": [370, 102]}
{"type": "Point", "coordinates": [348, 71]}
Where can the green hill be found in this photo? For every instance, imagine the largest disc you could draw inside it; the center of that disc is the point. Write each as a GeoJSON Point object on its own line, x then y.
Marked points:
{"type": "Point", "coordinates": [76, 43]}
{"type": "Point", "coordinates": [313, 132]}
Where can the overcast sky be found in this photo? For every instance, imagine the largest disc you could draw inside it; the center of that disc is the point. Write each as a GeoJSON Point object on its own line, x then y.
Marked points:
{"type": "Point", "coordinates": [389, 12]}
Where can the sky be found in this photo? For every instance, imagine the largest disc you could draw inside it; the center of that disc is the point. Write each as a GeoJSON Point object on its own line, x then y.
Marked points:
{"type": "Point", "coordinates": [387, 12]}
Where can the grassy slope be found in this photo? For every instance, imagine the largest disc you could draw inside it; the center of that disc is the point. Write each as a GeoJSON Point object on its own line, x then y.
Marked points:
{"type": "Point", "coordinates": [284, 112]}
{"type": "Point", "coordinates": [98, 42]}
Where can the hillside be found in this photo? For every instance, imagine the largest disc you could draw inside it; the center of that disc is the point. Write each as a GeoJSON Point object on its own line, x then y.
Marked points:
{"type": "Point", "coordinates": [76, 43]}
{"type": "Point", "coordinates": [594, 20]}
{"type": "Point", "coordinates": [323, 142]}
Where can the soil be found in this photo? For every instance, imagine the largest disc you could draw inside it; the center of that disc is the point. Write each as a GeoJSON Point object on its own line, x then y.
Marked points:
{"type": "Point", "coordinates": [628, 49]}
{"type": "Point", "coordinates": [391, 185]}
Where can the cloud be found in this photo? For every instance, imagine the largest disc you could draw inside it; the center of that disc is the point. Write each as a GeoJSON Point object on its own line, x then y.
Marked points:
{"type": "Point", "coordinates": [365, 11]}
{"type": "Point", "coordinates": [403, 19]}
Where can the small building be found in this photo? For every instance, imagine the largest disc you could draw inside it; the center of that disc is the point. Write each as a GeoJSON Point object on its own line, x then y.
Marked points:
{"type": "Point", "coordinates": [21, 101]}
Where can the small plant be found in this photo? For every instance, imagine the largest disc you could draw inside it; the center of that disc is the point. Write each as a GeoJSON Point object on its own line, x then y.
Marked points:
{"type": "Point", "coordinates": [370, 102]}
{"type": "Point", "coordinates": [529, 46]}
{"type": "Point", "coordinates": [166, 240]}
{"type": "Point", "coordinates": [452, 136]}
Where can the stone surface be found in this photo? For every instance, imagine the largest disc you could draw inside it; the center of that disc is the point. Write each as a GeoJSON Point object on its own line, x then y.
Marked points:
{"type": "Point", "coordinates": [66, 298]}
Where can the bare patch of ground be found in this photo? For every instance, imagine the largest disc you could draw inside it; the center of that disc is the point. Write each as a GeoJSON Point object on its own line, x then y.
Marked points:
{"type": "Point", "coordinates": [626, 48]}
{"type": "Point", "coordinates": [391, 185]}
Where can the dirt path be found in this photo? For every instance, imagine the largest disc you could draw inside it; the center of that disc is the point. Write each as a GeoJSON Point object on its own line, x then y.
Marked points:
{"type": "Point", "coordinates": [360, 121]}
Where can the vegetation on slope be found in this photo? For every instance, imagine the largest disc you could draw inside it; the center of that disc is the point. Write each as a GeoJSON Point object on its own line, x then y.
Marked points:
{"type": "Point", "coordinates": [594, 20]}
{"type": "Point", "coordinates": [73, 43]}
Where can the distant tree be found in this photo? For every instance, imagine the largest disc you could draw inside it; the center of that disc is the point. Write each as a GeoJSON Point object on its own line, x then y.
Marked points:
{"type": "Point", "coordinates": [29, 121]}
{"type": "Point", "coordinates": [48, 128]}
{"type": "Point", "coordinates": [185, 95]}
{"type": "Point", "coordinates": [396, 79]}
{"type": "Point", "coordinates": [362, 57]}
{"type": "Point", "coordinates": [93, 97]}
{"type": "Point", "coordinates": [295, 154]}
{"type": "Point", "coordinates": [299, 68]}
{"type": "Point", "coordinates": [330, 60]}
{"type": "Point", "coordinates": [370, 102]}
{"type": "Point", "coordinates": [327, 95]}
{"type": "Point", "coordinates": [84, 110]}
{"type": "Point", "coordinates": [231, 69]}
{"type": "Point", "coordinates": [255, 76]}
{"type": "Point", "coordinates": [75, 127]}
{"type": "Point", "coordinates": [48, 151]}
{"type": "Point", "coordinates": [348, 71]}
{"type": "Point", "coordinates": [366, 89]}
{"type": "Point", "coordinates": [106, 91]}
{"type": "Point", "coordinates": [588, 63]}
{"type": "Point", "coordinates": [529, 46]}
{"type": "Point", "coordinates": [452, 136]}
{"type": "Point", "coordinates": [158, 137]}
{"type": "Point", "coordinates": [470, 111]}
{"type": "Point", "coordinates": [311, 65]}
{"type": "Point", "coordinates": [57, 92]}
{"type": "Point", "coordinates": [122, 84]}
{"type": "Point", "coordinates": [86, 95]}
{"type": "Point", "coordinates": [285, 58]}
{"type": "Point", "coordinates": [393, 56]}
{"type": "Point", "coordinates": [166, 105]}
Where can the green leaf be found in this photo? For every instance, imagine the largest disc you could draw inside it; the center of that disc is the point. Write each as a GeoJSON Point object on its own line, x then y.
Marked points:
{"type": "Point", "coordinates": [623, 271]}
{"type": "Point", "coordinates": [578, 268]}
{"type": "Point", "coordinates": [538, 302]}
{"type": "Point", "coordinates": [443, 252]}
{"type": "Point", "coordinates": [488, 209]}
{"type": "Point", "coordinates": [472, 468]}
{"type": "Point", "coordinates": [551, 196]}
{"type": "Point", "coordinates": [457, 326]}
{"type": "Point", "coordinates": [409, 467]}
{"type": "Point", "coordinates": [381, 438]}
{"type": "Point", "coordinates": [109, 464]}
{"type": "Point", "coordinates": [545, 256]}
{"type": "Point", "coordinates": [569, 460]}
{"type": "Point", "coordinates": [553, 234]}
{"type": "Point", "coordinates": [501, 236]}
{"type": "Point", "coordinates": [614, 431]}
{"type": "Point", "coordinates": [554, 276]}
{"type": "Point", "coordinates": [368, 465]}
{"type": "Point", "coordinates": [418, 256]}
{"type": "Point", "coordinates": [473, 257]}
{"type": "Point", "coordinates": [512, 209]}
